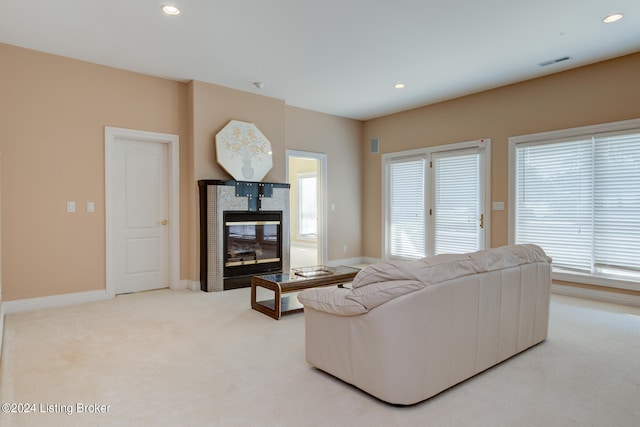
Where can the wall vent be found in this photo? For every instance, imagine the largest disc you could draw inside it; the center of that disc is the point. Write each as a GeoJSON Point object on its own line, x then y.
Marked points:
{"type": "Point", "coordinates": [374, 145]}
{"type": "Point", "coordinates": [554, 61]}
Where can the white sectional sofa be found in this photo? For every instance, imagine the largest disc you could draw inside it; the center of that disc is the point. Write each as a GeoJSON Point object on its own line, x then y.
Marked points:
{"type": "Point", "coordinates": [408, 330]}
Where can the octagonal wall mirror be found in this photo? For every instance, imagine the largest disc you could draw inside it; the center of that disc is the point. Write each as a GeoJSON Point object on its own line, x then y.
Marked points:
{"type": "Point", "coordinates": [243, 151]}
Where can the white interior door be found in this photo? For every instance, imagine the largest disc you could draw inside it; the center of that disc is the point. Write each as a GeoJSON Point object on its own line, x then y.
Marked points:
{"type": "Point", "coordinates": [142, 210]}
{"type": "Point", "coordinates": [140, 215]}
{"type": "Point", "coordinates": [457, 215]}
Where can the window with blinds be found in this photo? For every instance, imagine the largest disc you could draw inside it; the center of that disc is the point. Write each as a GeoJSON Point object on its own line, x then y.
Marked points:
{"type": "Point", "coordinates": [434, 199]}
{"type": "Point", "coordinates": [406, 231]}
{"type": "Point", "coordinates": [579, 199]}
{"type": "Point", "coordinates": [456, 204]}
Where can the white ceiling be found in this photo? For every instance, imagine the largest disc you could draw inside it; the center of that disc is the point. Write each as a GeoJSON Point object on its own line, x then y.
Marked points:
{"type": "Point", "coordinates": [335, 56]}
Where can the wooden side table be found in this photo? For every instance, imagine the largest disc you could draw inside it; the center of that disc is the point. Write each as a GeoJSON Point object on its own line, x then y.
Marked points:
{"type": "Point", "coordinates": [282, 283]}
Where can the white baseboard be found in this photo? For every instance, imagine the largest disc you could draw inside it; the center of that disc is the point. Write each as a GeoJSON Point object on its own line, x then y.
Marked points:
{"type": "Point", "coordinates": [21, 305]}
{"type": "Point", "coordinates": [345, 261]}
{"type": "Point", "coordinates": [192, 285]}
{"type": "Point", "coordinates": [369, 260]}
{"type": "Point", "coordinates": [18, 306]}
{"type": "Point", "coordinates": [1, 324]}
{"type": "Point", "coordinates": [612, 297]}
{"type": "Point", "coordinates": [182, 284]}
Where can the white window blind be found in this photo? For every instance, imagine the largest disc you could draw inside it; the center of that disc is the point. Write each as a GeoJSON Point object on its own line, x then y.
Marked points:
{"type": "Point", "coordinates": [457, 202]}
{"type": "Point", "coordinates": [617, 203]}
{"type": "Point", "coordinates": [406, 208]}
{"type": "Point", "coordinates": [580, 200]}
{"type": "Point", "coordinates": [554, 200]}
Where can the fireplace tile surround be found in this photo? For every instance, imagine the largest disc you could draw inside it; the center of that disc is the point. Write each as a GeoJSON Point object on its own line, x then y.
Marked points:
{"type": "Point", "coordinates": [218, 196]}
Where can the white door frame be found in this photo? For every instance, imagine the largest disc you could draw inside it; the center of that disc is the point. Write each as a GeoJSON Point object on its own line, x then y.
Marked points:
{"type": "Point", "coordinates": [322, 208]}
{"type": "Point", "coordinates": [110, 135]}
{"type": "Point", "coordinates": [484, 145]}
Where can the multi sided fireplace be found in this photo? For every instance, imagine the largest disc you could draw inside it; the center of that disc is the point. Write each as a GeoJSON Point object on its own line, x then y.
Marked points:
{"type": "Point", "coordinates": [244, 231]}
{"type": "Point", "coordinates": [252, 244]}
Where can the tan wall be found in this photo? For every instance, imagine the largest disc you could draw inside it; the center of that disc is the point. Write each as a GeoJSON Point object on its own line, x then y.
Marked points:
{"type": "Point", "coordinates": [53, 111]}
{"type": "Point", "coordinates": [214, 106]}
{"type": "Point", "coordinates": [52, 117]}
{"type": "Point", "coordinates": [334, 136]}
{"type": "Point", "coordinates": [599, 93]}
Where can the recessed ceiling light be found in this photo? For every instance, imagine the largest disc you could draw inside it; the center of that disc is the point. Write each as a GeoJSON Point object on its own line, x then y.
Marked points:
{"type": "Point", "coordinates": [399, 85]}
{"type": "Point", "coordinates": [170, 9]}
{"type": "Point", "coordinates": [612, 18]}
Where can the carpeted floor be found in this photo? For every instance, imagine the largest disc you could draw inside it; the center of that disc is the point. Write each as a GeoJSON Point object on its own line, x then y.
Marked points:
{"type": "Point", "coordinates": [181, 358]}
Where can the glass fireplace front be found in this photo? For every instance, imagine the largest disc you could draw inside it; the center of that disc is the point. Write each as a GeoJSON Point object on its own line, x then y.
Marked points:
{"type": "Point", "coordinates": [252, 242]}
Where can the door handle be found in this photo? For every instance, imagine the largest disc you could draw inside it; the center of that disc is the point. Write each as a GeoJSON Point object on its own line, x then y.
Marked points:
{"type": "Point", "coordinates": [481, 220]}
{"type": "Point", "coordinates": [164, 222]}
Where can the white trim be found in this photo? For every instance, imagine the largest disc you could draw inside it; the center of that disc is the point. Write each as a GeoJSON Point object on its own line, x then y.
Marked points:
{"type": "Point", "coordinates": [323, 231]}
{"type": "Point", "coordinates": [192, 285]}
{"type": "Point", "coordinates": [2, 312]}
{"type": "Point", "coordinates": [346, 261]}
{"type": "Point", "coordinates": [593, 294]}
{"type": "Point", "coordinates": [173, 141]}
{"type": "Point", "coordinates": [590, 279]}
{"type": "Point", "coordinates": [29, 304]}
{"type": "Point", "coordinates": [426, 151]}
{"type": "Point", "coordinates": [572, 132]}
{"type": "Point", "coordinates": [370, 260]}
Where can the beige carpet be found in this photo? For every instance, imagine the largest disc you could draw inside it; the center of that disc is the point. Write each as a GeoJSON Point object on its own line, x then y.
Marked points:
{"type": "Point", "coordinates": [181, 358]}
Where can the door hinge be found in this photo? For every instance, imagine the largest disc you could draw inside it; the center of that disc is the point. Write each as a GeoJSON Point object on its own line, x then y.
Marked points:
{"type": "Point", "coordinates": [430, 164]}
{"type": "Point", "coordinates": [430, 212]}
{"type": "Point", "coordinates": [481, 220]}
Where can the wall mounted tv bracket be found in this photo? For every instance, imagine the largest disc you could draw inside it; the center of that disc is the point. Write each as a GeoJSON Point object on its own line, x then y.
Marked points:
{"type": "Point", "coordinates": [254, 191]}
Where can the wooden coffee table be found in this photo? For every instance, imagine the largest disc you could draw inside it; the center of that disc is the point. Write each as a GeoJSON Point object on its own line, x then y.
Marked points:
{"type": "Point", "coordinates": [281, 283]}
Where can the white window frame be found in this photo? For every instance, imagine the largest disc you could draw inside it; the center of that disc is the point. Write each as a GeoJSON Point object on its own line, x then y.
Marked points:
{"type": "Point", "coordinates": [559, 274]}
{"type": "Point", "coordinates": [483, 144]}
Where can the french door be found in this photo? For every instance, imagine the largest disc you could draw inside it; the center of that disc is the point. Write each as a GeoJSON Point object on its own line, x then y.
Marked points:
{"type": "Point", "coordinates": [435, 200]}
{"type": "Point", "coordinates": [457, 212]}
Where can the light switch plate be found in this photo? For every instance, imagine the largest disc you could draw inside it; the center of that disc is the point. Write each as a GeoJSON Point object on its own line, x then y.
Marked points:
{"type": "Point", "coordinates": [498, 206]}
{"type": "Point", "coordinates": [71, 207]}
{"type": "Point", "coordinates": [90, 207]}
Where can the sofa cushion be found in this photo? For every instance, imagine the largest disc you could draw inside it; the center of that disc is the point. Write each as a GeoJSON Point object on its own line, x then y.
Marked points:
{"type": "Point", "coordinates": [378, 293]}
{"type": "Point", "coordinates": [431, 269]}
{"type": "Point", "coordinates": [443, 267]}
{"type": "Point", "coordinates": [381, 282]}
{"type": "Point", "coordinates": [331, 300]}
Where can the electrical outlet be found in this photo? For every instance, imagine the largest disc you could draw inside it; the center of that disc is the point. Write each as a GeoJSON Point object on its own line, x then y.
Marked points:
{"type": "Point", "coordinates": [344, 248]}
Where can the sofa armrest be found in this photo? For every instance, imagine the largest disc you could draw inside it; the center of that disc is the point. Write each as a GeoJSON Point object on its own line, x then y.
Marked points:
{"type": "Point", "coordinates": [331, 300]}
